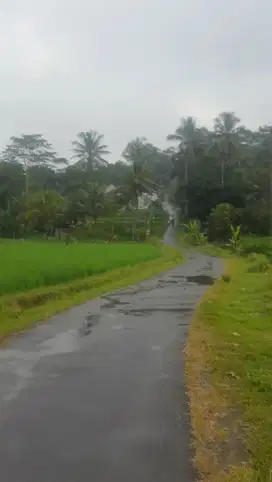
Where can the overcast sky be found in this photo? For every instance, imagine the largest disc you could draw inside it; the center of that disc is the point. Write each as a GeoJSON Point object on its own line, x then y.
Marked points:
{"type": "Point", "coordinates": [131, 68]}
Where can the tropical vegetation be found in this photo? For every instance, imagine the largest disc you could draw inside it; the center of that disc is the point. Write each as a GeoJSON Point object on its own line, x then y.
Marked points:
{"type": "Point", "coordinates": [43, 194]}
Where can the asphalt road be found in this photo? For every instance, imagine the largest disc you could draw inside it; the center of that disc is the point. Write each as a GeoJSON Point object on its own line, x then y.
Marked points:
{"type": "Point", "coordinates": [97, 394]}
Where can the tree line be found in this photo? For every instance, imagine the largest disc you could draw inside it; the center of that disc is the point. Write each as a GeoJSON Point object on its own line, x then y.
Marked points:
{"type": "Point", "coordinates": [41, 192]}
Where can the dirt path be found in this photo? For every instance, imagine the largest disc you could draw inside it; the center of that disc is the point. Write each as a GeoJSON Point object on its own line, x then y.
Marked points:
{"type": "Point", "coordinates": [96, 394]}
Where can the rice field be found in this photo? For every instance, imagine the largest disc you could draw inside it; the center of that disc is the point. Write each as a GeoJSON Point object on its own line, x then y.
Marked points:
{"type": "Point", "coordinates": [25, 265]}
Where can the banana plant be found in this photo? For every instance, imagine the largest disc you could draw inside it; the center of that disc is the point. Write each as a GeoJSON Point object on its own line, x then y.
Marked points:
{"type": "Point", "coordinates": [195, 234]}
{"type": "Point", "coordinates": [235, 240]}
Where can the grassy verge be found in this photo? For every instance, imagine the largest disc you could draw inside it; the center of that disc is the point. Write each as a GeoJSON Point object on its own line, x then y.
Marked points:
{"type": "Point", "coordinates": [21, 310]}
{"type": "Point", "coordinates": [248, 244]}
{"type": "Point", "coordinates": [208, 248]}
{"type": "Point", "coordinates": [229, 377]}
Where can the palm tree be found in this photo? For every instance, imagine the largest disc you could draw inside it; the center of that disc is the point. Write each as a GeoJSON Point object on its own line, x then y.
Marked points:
{"type": "Point", "coordinates": [90, 150]}
{"type": "Point", "coordinates": [137, 153]}
{"type": "Point", "coordinates": [227, 139]}
{"type": "Point", "coordinates": [138, 182]}
{"type": "Point", "coordinates": [189, 136]}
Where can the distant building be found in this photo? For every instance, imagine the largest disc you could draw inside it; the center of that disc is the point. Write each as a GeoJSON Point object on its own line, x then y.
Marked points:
{"type": "Point", "coordinates": [146, 199]}
{"type": "Point", "coordinates": [110, 188]}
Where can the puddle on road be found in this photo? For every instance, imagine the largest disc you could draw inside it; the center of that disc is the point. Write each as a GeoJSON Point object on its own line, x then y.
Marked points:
{"type": "Point", "coordinates": [204, 280]}
{"type": "Point", "coordinates": [93, 319]}
{"type": "Point", "coordinates": [178, 276]}
{"type": "Point", "coordinates": [60, 344]}
{"type": "Point", "coordinates": [149, 311]}
{"type": "Point", "coordinates": [19, 365]}
{"type": "Point", "coordinates": [113, 302]}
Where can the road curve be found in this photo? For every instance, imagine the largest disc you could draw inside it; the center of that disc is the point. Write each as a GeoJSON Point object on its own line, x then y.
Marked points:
{"type": "Point", "coordinates": [97, 393]}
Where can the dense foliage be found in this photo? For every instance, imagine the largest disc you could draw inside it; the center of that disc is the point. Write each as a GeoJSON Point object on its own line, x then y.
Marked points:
{"type": "Point", "coordinates": [42, 193]}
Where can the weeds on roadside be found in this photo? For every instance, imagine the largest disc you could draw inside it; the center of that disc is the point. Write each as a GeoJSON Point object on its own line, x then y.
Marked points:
{"type": "Point", "coordinates": [259, 263]}
{"type": "Point", "coordinates": [226, 278]}
{"type": "Point", "coordinates": [229, 375]}
{"type": "Point", "coordinates": [235, 240]}
{"type": "Point", "coordinates": [194, 234]}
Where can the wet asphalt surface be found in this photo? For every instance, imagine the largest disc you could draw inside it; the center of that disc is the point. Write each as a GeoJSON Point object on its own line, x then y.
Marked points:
{"type": "Point", "coordinates": [96, 394]}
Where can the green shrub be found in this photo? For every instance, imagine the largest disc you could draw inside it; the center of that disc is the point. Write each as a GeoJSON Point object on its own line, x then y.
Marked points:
{"type": "Point", "coordinates": [259, 263]}
{"type": "Point", "coordinates": [226, 278]}
{"type": "Point", "coordinates": [125, 228]}
{"type": "Point", "coordinates": [221, 219]}
{"type": "Point", "coordinates": [194, 234]}
{"type": "Point", "coordinates": [256, 244]}
{"type": "Point", "coordinates": [256, 221]}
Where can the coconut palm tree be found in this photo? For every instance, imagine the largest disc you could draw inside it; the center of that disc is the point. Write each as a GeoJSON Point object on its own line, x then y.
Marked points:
{"type": "Point", "coordinates": [90, 150]}
{"type": "Point", "coordinates": [138, 182]}
{"type": "Point", "coordinates": [188, 136]}
{"type": "Point", "coordinates": [227, 139]}
{"type": "Point", "coordinates": [138, 154]}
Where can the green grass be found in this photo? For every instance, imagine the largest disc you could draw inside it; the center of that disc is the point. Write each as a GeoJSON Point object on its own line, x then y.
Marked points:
{"type": "Point", "coordinates": [19, 311]}
{"type": "Point", "coordinates": [249, 244]}
{"type": "Point", "coordinates": [229, 368]}
{"type": "Point", "coordinates": [257, 244]}
{"type": "Point", "coordinates": [31, 264]}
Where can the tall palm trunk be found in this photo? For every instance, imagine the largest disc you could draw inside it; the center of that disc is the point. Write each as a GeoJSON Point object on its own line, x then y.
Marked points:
{"type": "Point", "coordinates": [226, 158]}
{"type": "Point", "coordinates": [188, 157]}
{"type": "Point", "coordinates": [185, 187]}
{"type": "Point", "coordinates": [26, 181]}
{"type": "Point", "coordinates": [222, 169]}
{"type": "Point", "coordinates": [186, 170]}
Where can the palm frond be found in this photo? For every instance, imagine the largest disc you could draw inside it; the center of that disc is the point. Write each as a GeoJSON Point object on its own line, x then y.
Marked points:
{"type": "Point", "coordinates": [89, 148]}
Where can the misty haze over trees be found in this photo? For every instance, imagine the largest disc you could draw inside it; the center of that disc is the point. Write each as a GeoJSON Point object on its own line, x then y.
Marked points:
{"type": "Point", "coordinates": [41, 192]}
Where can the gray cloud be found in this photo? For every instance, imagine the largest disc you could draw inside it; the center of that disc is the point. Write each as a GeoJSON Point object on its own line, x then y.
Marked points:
{"type": "Point", "coordinates": [129, 68]}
